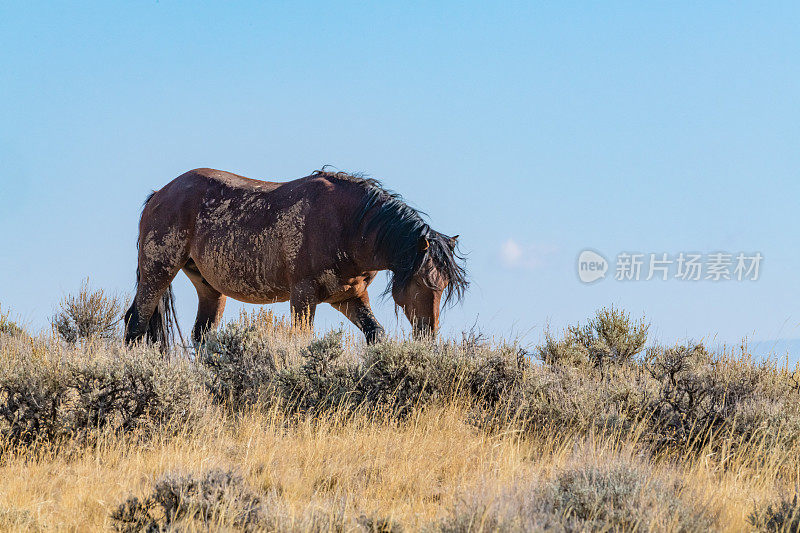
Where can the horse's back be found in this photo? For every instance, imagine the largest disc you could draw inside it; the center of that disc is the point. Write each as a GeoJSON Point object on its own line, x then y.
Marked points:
{"type": "Point", "coordinates": [252, 238]}
{"type": "Point", "coordinates": [223, 179]}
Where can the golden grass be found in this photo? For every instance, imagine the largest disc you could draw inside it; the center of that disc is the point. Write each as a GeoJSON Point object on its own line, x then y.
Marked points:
{"type": "Point", "coordinates": [413, 472]}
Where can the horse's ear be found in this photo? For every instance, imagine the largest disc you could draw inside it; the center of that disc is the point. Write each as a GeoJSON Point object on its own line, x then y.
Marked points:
{"type": "Point", "coordinates": [452, 242]}
{"type": "Point", "coordinates": [423, 244]}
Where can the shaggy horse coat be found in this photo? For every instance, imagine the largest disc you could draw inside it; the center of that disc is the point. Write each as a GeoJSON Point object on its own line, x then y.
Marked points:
{"type": "Point", "coordinates": [322, 238]}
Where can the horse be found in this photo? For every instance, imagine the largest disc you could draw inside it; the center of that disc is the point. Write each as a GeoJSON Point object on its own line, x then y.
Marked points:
{"type": "Point", "coordinates": [319, 239]}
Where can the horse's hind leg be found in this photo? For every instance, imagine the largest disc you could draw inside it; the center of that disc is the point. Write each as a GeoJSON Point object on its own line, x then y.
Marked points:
{"type": "Point", "coordinates": [358, 311]}
{"type": "Point", "coordinates": [161, 256]}
{"type": "Point", "coordinates": [211, 303]}
{"type": "Point", "coordinates": [303, 304]}
{"type": "Point", "coordinates": [151, 287]}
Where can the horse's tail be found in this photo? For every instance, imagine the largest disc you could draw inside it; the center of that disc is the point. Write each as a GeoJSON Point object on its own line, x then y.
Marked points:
{"type": "Point", "coordinates": [163, 322]}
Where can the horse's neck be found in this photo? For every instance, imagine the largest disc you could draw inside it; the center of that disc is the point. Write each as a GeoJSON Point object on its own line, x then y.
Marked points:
{"type": "Point", "coordinates": [369, 258]}
{"type": "Point", "coordinates": [374, 262]}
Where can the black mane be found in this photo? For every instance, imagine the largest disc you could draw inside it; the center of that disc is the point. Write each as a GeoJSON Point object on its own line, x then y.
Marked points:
{"type": "Point", "coordinates": [398, 230]}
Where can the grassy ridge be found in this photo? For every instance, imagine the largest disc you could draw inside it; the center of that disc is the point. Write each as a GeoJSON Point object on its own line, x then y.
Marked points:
{"type": "Point", "coordinates": [266, 428]}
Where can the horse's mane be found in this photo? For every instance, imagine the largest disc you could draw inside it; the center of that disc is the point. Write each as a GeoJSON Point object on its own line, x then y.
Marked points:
{"type": "Point", "coordinates": [398, 229]}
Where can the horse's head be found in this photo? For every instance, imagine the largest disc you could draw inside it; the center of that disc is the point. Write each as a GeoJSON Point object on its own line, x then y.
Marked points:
{"type": "Point", "coordinates": [437, 274]}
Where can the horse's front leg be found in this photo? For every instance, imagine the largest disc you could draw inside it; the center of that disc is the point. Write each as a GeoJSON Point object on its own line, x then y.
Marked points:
{"type": "Point", "coordinates": [303, 303]}
{"type": "Point", "coordinates": [358, 311]}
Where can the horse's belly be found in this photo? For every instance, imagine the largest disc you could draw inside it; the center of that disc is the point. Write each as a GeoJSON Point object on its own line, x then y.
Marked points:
{"type": "Point", "coordinates": [244, 275]}
{"type": "Point", "coordinates": [245, 285]}
{"type": "Point", "coordinates": [250, 290]}
{"type": "Point", "coordinates": [260, 298]}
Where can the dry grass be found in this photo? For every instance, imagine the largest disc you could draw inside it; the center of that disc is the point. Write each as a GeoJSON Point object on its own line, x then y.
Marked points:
{"type": "Point", "coordinates": [414, 473]}
{"type": "Point", "coordinates": [406, 436]}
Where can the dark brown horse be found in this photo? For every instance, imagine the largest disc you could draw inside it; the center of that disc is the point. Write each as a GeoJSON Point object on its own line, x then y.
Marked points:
{"type": "Point", "coordinates": [322, 238]}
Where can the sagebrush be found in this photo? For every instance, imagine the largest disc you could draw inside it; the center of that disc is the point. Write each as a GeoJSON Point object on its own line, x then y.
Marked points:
{"type": "Point", "coordinates": [89, 314]}
{"type": "Point", "coordinates": [596, 432]}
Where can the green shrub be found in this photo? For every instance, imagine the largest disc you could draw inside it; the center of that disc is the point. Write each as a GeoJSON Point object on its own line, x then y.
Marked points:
{"type": "Point", "coordinates": [680, 396]}
{"type": "Point", "coordinates": [134, 389]}
{"type": "Point", "coordinates": [375, 524]}
{"type": "Point", "coordinates": [221, 500]}
{"type": "Point", "coordinates": [690, 401]}
{"type": "Point", "coordinates": [610, 337]}
{"type": "Point", "coordinates": [619, 496]}
{"type": "Point", "coordinates": [323, 380]}
{"type": "Point", "coordinates": [241, 363]}
{"type": "Point", "coordinates": [34, 393]}
{"type": "Point", "coordinates": [496, 373]}
{"type": "Point", "coordinates": [672, 397]}
{"type": "Point", "coordinates": [566, 352]}
{"type": "Point", "coordinates": [215, 499]}
{"type": "Point", "coordinates": [88, 315]}
{"type": "Point", "coordinates": [246, 366]}
{"type": "Point", "coordinates": [701, 394]}
{"type": "Point", "coordinates": [48, 394]}
{"type": "Point", "coordinates": [564, 398]}
{"type": "Point", "coordinates": [399, 376]}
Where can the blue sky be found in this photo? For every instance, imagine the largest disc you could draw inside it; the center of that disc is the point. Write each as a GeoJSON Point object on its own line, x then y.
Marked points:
{"type": "Point", "coordinates": [540, 128]}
